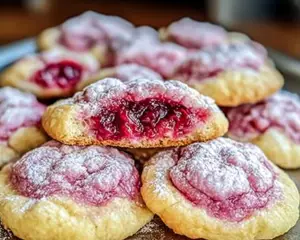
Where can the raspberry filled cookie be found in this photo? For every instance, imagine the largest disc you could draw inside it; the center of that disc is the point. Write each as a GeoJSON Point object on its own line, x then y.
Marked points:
{"type": "Point", "coordinates": [124, 72]}
{"type": "Point", "coordinates": [91, 32]}
{"type": "Point", "coordinates": [220, 189]}
{"type": "Point", "coordinates": [51, 74]}
{"type": "Point", "coordinates": [163, 58]}
{"type": "Point", "coordinates": [141, 113]}
{"type": "Point", "coordinates": [273, 125]}
{"type": "Point", "coordinates": [70, 192]}
{"type": "Point", "coordinates": [232, 74]}
{"type": "Point", "coordinates": [20, 117]}
{"type": "Point", "coordinates": [194, 35]}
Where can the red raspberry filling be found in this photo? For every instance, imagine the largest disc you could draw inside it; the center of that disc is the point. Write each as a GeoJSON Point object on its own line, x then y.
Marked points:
{"type": "Point", "coordinates": [17, 110]}
{"type": "Point", "coordinates": [142, 109]}
{"type": "Point", "coordinates": [209, 62]}
{"type": "Point", "coordinates": [63, 74]}
{"type": "Point", "coordinates": [91, 29]}
{"type": "Point", "coordinates": [151, 118]}
{"type": "Point", "coordinates": [126, 72]}
{"type": "Point", "coordinates": [281, 111]}
{"type": "Point", "coordinates": [93, 175]}
{"type": "Point", "coordinates": [196, 35]}
{"type": "Point", "coordinates": [230, 180]}
{"type": "Point", "coordinates": [161, 58]}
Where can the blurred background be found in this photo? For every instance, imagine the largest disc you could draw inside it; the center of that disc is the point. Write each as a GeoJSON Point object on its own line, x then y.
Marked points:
{"type": "Point", "coordinates": [274, 23]}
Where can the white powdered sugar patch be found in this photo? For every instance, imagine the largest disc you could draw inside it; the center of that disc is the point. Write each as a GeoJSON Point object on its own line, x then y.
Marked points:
{"type": "Point", "coordinates": [145, 33]}
{"type": "Point", "coordinates": [280, 111]}
{"type": "Point", "coordinates": [89, 63]}
{"type": "Point", "coordinates": [17, 109]}
{"type": "Point", "coordinates": [126, 72]}
{"type": "Point", "coordinates": [110, 31]}
{"type": "Point", "coordinates": [163, 162]}
{"type": "Point", "coordinates": [92, 175]}
{"type": "Point", "coordinates": [194, 34]}
{"type": "Point", "coordinates": [209, 171]}
{"type": "Point", "coordinates": [56, 55]}
{"type": "Point", "coordinates": [163, 58]}
{"type": "Point", "coordinates": [221, 176]}
{"type": "Point", "coordinates": [105, 92]}
{"type": "Point", "coordinates": [206, 63]}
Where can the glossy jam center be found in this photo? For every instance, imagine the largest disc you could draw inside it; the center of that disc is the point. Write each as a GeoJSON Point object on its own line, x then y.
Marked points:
{"type": "Point", "coordinates": [64, 74]}
{"type": "Point", "coordinates": [229, 180]}
{"type": "Point", "coordinates": [281, 111]}
{"type": "Point", "coordinates": [92, 175]}
{"type": "Point", "coordinates": [151, 118]}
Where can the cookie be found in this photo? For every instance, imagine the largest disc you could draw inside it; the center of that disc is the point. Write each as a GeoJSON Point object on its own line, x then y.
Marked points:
{"type": "Point", "coordinates": [195, 35]}
{"type": "Point", "coordinates": [163, 58]}
{"type": "Point", "coordinates": [51, 74]}
{"type": "Point", "coordinates": [20, 130]}
{"type": "Point", "coordinates": [141, 113]}
{"type": "Point", "coordinates": [124, 72]}
{"type": "Point", "coordinates": [272, 124]}
{"type": "Point", "coordinates": [232, 74]}
{"type": "Point", "coordinates": [70, 192]}
{"type": "Point", "coordinates": [220, 189]}
{"type": "Point", "coordinates": [98, 34]}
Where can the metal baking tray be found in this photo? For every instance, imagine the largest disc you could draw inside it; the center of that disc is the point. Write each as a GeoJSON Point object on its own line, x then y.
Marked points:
{"type": "Point", "coordinates": [156, 230]}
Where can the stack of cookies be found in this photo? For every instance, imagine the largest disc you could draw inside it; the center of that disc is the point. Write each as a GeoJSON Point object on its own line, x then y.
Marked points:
{"type": "Point", "coordinates": [153, 97]}
{"type": "Point", "coordinates": [243, 80]}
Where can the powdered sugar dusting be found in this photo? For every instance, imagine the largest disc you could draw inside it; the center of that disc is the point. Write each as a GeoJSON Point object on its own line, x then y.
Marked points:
{"type": "Point", "coordinates": [17, 109]}
{"type": "Point", "coordinates": [92, 29]}
{"type": "Point", "coordinates": [230, 180]}
{"type": "Point", "coordinates": [210, 61]}
{"type": "Point", "coordinates": [193, 34]}
{"type": "Point", "coordinates": [93, 175]}
{"type": "Point", "coordinates": [126, 72]}
{"type": "Point", "coordinates": [57, 55]}
{"type": "Point", "coordinates": [107, 90]}
{"type": "Point", "coordinates": [281, 111]}
{"type": "Point", "coordinates": [145, 33]}
{"type": "Point", "coordinates": [141, 110]}
{"type": "Point", "coordinates": [163, 58]}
